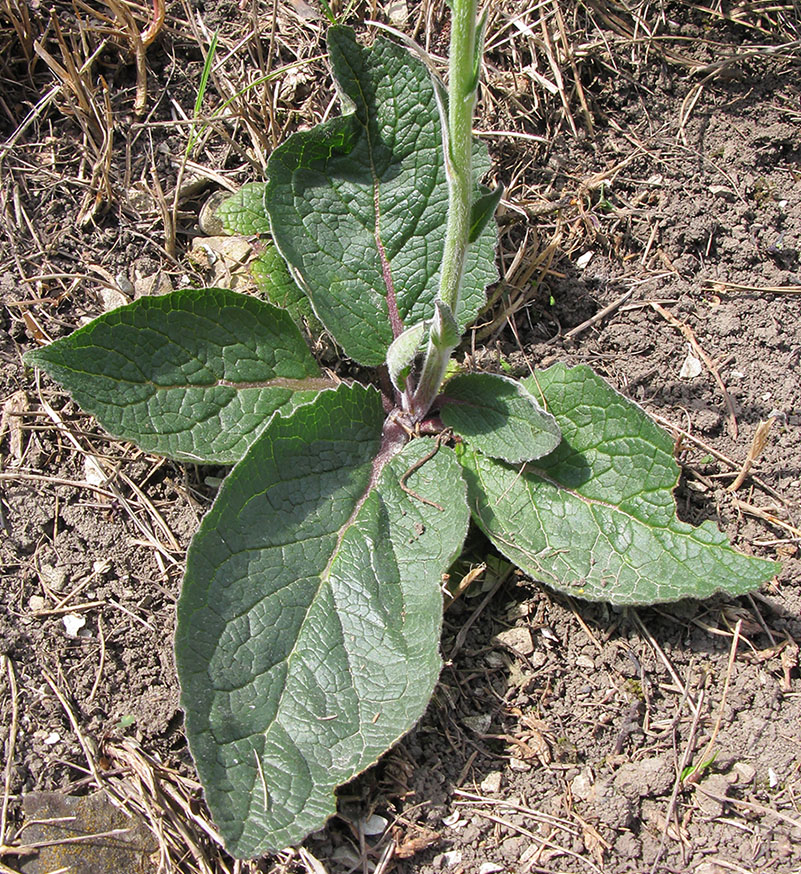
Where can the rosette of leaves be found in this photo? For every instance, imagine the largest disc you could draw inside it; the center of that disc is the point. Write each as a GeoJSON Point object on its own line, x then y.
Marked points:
{"type": "Point", "coordinates": [310, 613]}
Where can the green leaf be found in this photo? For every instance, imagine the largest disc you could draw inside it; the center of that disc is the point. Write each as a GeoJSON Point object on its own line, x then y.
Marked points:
{"type": "Point", "coordinates": [445, 333]}
{"type": "Point", "coordinates": [192, 375]}
{"type": "Point", "coordinates": [272, 279]}
{"type": "Point", "coordinates": [358, 204]}
{"type": "Point", "coordinates": [402, 352]}
{"type": "Point", "coordinates": [309, 621]}
{"type": "Point", "coordinates": [499, 417]}
{"type": "Point", "coordinates": [596, 518]}
{"type": "Point", "coordinates": [483, 210]}
{"type": "Point", "coordinates": [244, 212]}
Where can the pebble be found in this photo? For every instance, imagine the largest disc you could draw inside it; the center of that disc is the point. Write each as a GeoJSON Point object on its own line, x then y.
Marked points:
{"type": "Point", "coordinates": [73, 623]}
{"type": "Point", "coordinates": [480, 723]}
{"type": "Point", "coordinates": [53, 577]}
{"type": "Point", "coordinates": [374, 825]}
{"type": "Point", "coordinates": [517, 638]}
{"type": "Point", "coordinates": [452, 820]}
{"type": "Point", "coordinates": [53, 817]}
{"type": "Point", "coordinates": [447, 860]}
{"type": "Point", "coordinates": [581, 786]}
{"type": "Point", "coordinates": [538, 659]}
{"type": "Point", "coordinates": [717, 784]}
{"type": "Point", "coordinates": [492, 783]}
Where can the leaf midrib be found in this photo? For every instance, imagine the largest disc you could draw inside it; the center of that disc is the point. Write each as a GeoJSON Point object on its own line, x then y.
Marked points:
{"type": "Point", "coordinates": [527, 468]}
{"type": "Point", "coordinates": [395, 320]}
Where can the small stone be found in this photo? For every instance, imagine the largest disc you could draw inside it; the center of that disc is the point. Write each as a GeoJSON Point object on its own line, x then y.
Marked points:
{"type": "Point", "coordinates": [709, 868]}
{"type": "Point", "coordinates": [452, 820]}
{"type": "Point", "coordinates": [140, 199]}
{"type": "Point", "coordinates": [124, 284]}
{"type": "Point", "coordinates": [93, 472]}
{"type": "Point", "coordinates": [494, 660]}
{"type": "Point", "coordinates": [54, 817]}
{"type": "Point", "coordinates": [447, 860]}
{"type": "Point", "coordinates": [722, 191]}
{"type": "Point", "coordinates": [490, 868]}
{"type": "Point", "coordinates": [112, 298]}
{"type": "Point", "coordinates": [585, 662]}
{"type": "Point", "coordinates": [480, 724]}
{"type": "Point", "coordinates": [149, 280]}
{"type": "Point", "coordinates": [518, 639]}
{"type": "Point", "coordinates": [346, 856]}
{"type": "Point", "coordinates": [398, 12]}
{"type": "Point", "coordinates": [53, 577]}
{"type": "Point", "coordinates": [208, 220]}
{"type": "Point", "coordinates": [691, 368]}
{"type": "Point", "coordinates": [744, 772]}
{"type": "Point", "coordinates": [491, 784]}
{"type": "Point", "coordinates": [36, 603]}
{"type": "Point", "coordinates": [374, 825]}
{"type": "Point", "coordinates": [537, 659]}
{"type": "Point", "coordinates": [222, 256]}
{"type": "Point", "coordinates": [581, 786]}
{"type": "Point", "coordinates": [517, 610]}
{"type": "Point", "coordinates": [519, 765]}
{"type": "Point", "coordinates": [717, 785]}
{"type": "Point", "coordinates": [73, 623]}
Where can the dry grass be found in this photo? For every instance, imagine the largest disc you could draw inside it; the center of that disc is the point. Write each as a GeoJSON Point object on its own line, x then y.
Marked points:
{"type": "Point", "coordinates": [99, 99]}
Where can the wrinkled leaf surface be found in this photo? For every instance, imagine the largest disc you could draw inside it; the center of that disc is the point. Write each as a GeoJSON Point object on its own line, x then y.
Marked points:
{"type": "Point", "coordinates": [499, 417]}
{"type": "Point", "coordinates": [597, 518]}
{"type": "Point", "coordinates": [192, 375]}
{"type": "Point", "coordinates": [309, 621]}
{"type": "Point", "coordinates": [358, 205]}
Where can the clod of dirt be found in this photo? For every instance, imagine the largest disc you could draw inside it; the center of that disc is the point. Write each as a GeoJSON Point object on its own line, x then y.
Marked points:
{"type": "Point", "coordinates": [491, 784]}
{"type": "Point", "coordinates": [610, 806]}
{"type": "Point", "coordinates": [711, 793]}
{"type": "Point", "coordinates": [650, 777]}
{"type": "Point", "coordinates": [518, 639]}
{"type": "Point", "coordinates": [107, 840]}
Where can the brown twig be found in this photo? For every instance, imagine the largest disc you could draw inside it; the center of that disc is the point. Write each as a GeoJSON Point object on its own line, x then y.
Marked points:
{"type": "Point", "coordinates": [599, 316]}
{"type": "Point", "coordinates": [757, 446]}
{"type": "Point", "coordinates": [10, 743]}
{"type": "Point", "coordinates": [725, 287]}
{"type": "Point", "coordinates": [443, 435]}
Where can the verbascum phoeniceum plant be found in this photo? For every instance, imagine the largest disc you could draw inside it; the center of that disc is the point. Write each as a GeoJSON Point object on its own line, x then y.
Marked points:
{"type": "Point", "coordinates": [310, 614]}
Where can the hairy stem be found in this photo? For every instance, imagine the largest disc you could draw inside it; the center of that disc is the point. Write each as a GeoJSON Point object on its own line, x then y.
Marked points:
{"type": "Point", "coordinates": [458, 147]}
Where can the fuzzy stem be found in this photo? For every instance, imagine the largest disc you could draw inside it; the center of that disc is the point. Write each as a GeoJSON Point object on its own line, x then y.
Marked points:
{"type": "Point", "coordinates": [458, 147]}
